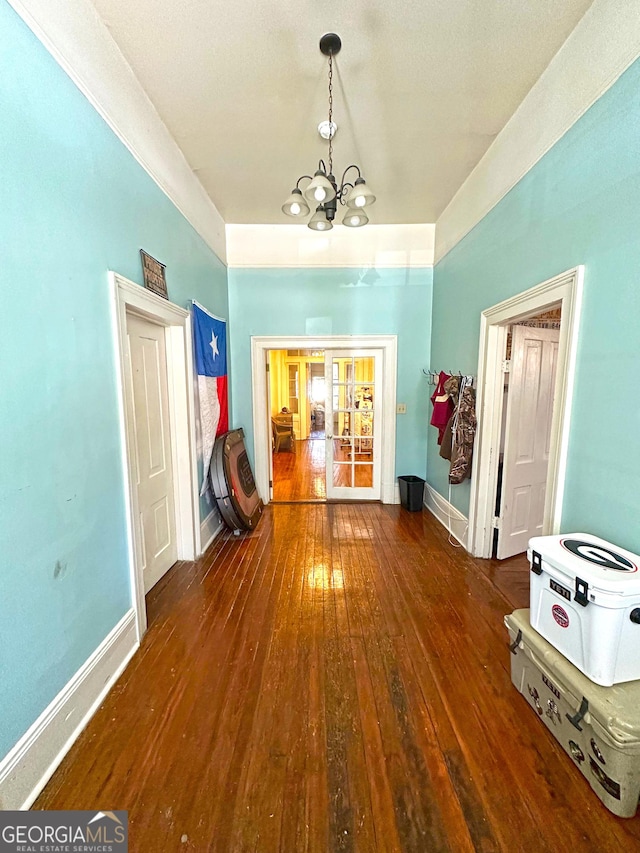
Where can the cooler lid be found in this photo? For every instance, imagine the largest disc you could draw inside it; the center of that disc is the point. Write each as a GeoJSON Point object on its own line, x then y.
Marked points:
{"type": "Point", "coordinates": [603, 565]}
{"type": "Point", "coordinates": [617, 708]}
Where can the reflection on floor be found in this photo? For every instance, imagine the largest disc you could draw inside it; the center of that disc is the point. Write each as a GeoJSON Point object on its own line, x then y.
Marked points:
{"type": "Point", "coordinates": [510, 576]}
{"type": "Point", "coordinates": [299, 476]}
{"type": "Point", "coordinates": [346, 474]}
{"type": "Point", "coordinates": [336, 680]}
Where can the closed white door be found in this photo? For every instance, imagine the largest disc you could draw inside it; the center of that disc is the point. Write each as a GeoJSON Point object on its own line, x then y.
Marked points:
{"type": "Point", "coordinates": [150, 439]}
{"type": "Point", "coordinates": [353, 423]}
{"type": "Point", "coordinates": [534, 357]}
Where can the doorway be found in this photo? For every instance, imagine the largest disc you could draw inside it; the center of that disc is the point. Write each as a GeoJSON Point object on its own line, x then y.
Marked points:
{"type": "Point", "coordinates": [297, 397]}
{"type": "Point", "coordinates": [325, 410]}
{"type": "Point", "coordinates": [350, 433]}
{"type": "Point", "coordinates": [564, 292]}
{"type": "Point", "coordinates": [529, 369]}
{"type": "Point", "coordinates": [171, 327]}
{"type": "Point", "coordinates": [150, 438]}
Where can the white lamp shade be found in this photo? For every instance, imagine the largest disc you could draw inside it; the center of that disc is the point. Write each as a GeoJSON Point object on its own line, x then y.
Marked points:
{"type": "Point", "coordinates": [319, 190]}
{"type": "Point", "coordinates": [295, 205]}
{"type": "Point", "coordinates": [319, 221]}
{"type": "Point", "coordinates": [355, 217]}
{"type": "Point", "coordinates": [360, 195]}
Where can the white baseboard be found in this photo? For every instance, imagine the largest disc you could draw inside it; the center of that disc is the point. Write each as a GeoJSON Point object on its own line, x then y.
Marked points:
{"type": "Point", "coordinates": [210, 528]}
{"type": "Point", "coordinates": [450, 517]}
{"type": "Point", "coordinates": [27, 768]}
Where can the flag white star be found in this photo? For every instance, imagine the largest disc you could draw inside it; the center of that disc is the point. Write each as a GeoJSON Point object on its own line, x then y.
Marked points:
{"type": "Point", "coordinates": [214, 346]}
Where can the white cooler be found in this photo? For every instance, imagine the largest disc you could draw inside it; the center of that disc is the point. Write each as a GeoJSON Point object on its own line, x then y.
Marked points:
{"type": "Point", "coordinates": [585, 600]}
{"type": "Point", "coordinates": [598, 727]}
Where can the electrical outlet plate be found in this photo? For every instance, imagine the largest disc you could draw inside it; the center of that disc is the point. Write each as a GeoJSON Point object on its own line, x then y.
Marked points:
{"type": "Point", "coordinates": [401, 409]}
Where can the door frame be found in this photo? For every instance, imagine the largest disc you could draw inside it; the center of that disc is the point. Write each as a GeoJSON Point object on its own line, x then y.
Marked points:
{"type": "Point", "coordinates": [261, 344]}
{"type": "Point", "coordinates": [565, 289]}
{"type": "Point", "coordinates": [128, 297]}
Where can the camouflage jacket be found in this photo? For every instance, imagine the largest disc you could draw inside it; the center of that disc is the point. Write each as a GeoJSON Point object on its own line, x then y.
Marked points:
{"type": "Point", "coordinates": [458, 447]}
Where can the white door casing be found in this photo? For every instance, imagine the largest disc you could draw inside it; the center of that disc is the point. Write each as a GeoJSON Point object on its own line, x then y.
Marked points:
{"type": "Point", "coordinates": [130, 297]}
{"type": "Point", "coordinates": [565, 289]}
{"type": "Point", "coordinates": [269, 368]}
{"type": "Point", "coordinates": [260, 345]}
{"type": "Point", "coordinates": [534, 356]}
{"type": "Point", "coordinates": [151, 440]}
{"type": "Point", "coordinates": [352, 425]}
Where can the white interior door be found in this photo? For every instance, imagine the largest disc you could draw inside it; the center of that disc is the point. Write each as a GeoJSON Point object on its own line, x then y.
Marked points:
{"type": "Point", "coordinates": [534, 356]}
{"type": "Point", "coordinates": [151, 439]}
{"type": "Point", "coordinates": [353, 423]}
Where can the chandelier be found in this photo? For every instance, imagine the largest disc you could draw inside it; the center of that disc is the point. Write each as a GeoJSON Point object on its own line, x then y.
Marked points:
{"type": "Point", "coordinates": [323, 191]}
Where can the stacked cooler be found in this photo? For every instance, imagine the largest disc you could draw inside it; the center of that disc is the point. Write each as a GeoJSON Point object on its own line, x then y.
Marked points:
{"type": "Point", "coordinates": [576, 658]}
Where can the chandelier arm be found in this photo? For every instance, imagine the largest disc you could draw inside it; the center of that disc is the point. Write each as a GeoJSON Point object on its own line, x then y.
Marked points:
{"type": "Point", "coordinates": [342, 192]}
{"type": "Point", "coordinates": [344, 174]}
{"type": "Point", "coordinates": [302, 177]}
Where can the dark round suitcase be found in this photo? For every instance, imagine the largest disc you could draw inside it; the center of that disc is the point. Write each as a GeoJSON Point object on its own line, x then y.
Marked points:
{"type": "Point", "coordinates": [232, 481]}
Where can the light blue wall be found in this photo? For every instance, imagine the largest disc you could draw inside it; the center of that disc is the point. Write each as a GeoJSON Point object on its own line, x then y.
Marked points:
{"type": "Point", "coordinates": [338, 302]}
{"type": "Point", "coordinates": [579, 205]}
{"type": "Point", "coordinates": [75, 204]}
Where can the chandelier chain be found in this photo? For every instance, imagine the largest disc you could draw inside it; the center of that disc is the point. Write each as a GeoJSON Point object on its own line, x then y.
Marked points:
{"type": "Point", "coordinates": [330, 113]}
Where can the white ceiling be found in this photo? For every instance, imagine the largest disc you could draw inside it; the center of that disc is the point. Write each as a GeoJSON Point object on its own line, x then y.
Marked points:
{"type": "Point", "coordinates": [423, 88]}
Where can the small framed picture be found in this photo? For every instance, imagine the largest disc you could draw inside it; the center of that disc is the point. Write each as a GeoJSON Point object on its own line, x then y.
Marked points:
{"type": "Point", "coordinates": [154, 277]}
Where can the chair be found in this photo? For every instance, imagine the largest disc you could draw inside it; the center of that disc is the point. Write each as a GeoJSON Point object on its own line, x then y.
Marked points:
{"type": "Point", "coordinates": [317, 417]}
{"type": "Point", "coordinates": [282, 431]}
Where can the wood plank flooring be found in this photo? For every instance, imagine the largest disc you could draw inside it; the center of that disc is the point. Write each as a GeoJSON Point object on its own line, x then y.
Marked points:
{"type": "Point", "coordinates": [336, 680]}
{"type": "Point", "coordinates": [300, 476]}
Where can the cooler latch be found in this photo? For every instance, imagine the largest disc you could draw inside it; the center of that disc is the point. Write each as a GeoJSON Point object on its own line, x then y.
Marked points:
{"type": "Point", "coordinates": [536, 562]}
{"type": "Point", "coordinates": [513, 646]}
{"type": "Point", "coordinates": [582, 588]}
{"type": "Point", "coordinates": [577, 718]}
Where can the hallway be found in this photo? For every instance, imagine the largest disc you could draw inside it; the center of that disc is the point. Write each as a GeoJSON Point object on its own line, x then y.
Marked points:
{"type": "Point", "coordinates": [335, 681]}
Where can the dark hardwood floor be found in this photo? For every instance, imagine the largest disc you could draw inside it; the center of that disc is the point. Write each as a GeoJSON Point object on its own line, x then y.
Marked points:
{"type": "Point", "coordinates": [336, 680]}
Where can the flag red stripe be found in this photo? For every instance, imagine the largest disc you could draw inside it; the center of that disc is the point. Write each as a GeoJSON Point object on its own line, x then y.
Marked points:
{"type": "Point", "coordinates": [223, 397]}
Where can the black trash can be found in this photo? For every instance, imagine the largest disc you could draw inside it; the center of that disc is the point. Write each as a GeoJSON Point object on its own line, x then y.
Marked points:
{"type": "Point", "coordinates": [411, 492]}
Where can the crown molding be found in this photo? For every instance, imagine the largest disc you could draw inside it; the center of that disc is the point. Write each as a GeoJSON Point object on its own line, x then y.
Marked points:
{"type": "Point", "coordinates": [605, 42]}
{"type": "Point", "coordinates": [295, 246]}
{"type": "Point", "coordinates": [76, 37]}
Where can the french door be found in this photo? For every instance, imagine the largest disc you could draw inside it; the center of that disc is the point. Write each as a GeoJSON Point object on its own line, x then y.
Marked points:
{"type": "Point", "coordinates": [353, 422]}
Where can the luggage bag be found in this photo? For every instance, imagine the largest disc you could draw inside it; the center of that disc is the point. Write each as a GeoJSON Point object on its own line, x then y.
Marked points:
{"type": "Point", "coordinates": [598, 727]}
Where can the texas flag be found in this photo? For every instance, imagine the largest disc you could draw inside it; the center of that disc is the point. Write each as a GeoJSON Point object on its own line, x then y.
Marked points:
{"type": "Point", "coordinates": [210, 340]}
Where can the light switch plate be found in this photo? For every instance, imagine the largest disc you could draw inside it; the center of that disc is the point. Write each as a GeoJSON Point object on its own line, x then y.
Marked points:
{"type": "Point", "coordinates": [401, 409]}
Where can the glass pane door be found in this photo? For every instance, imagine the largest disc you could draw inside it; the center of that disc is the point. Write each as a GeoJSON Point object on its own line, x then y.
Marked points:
{"type": "Point", "coordinates": [353, 423]}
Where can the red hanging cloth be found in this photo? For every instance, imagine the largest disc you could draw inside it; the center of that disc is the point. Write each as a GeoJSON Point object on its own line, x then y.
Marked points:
{"type": "Point", "coordinates": [442, 406]}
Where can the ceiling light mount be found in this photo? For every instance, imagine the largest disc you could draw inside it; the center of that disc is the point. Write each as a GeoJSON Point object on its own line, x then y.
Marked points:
{"type": "Point", "coordinates": [330, 44]}
{"type": "Point", "coordinates": [323, 191]}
